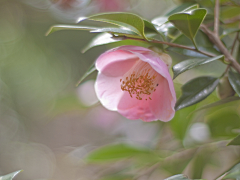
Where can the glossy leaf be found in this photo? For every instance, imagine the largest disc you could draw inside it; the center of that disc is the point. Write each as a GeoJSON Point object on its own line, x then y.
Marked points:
{"type": "Point", "coordinates": [235, 141]}
{"type": "Point", "coordinates": [117, 31]}
{"type": "Point", "coordinates": [10, 176]}
{"type": "Point", "coordinates": [229, 31]}
{"type": "Point", "coordinates": [128, 20]}
{"type": "Point", "coordinates": [150, 28]}
{"type": "Point", "coordinates": [91, 69]}
{"type": "Point", "coordinates": [106, 38]}
{"type": "Point", "coordinates": [204, 44]}
{"type": "Point", "coordinates": [100, 39]}
{"type": "Point", "coordinates": [69, 27]}
{"type": "Point", "coordinates": [234, 79]}
{"type": "Point", "coordinates": [188, 22]}
{"type": "Point", "coordinates": [114, 152]}
{"type": "Point", "coordinates": [191, 63]}
{"type": "Point", "coordinates": [180, 8]}
{"type": "Point", "coordinates": [196, 90]}
{"type": "Point", "coordinates": [234, 173]}
{"type": "Point", "coordinates": [160, 20]}
{"type": "Point", "coordinates": [218, 103]}
{"type": "Point", "coordinates": [178, 177]}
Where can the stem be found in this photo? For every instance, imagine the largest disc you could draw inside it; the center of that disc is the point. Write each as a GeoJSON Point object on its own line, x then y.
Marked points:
{"type": "Point", "coordinates": [232, 49]}
{"type": "Point", "coordinates": [216, 18]}
{"type": "Point", "coordinates": [175, 45]}
{"type": "Point", "coordinates": [216, 40]}
{"type": "Point", "coordinates": [195, 44]}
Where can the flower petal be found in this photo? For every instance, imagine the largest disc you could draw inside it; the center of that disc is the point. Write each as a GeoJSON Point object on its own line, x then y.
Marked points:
{"type": "Point", "coordinates": [158, 65]}
{"type": "Point", "coordinates": [133, 108]}
{"type": "Point", "coordinates": [115, 62]}
{"type": "Point", "coordinates": [108, 90]}
{"type": "Point", "coordinates": [163, 102]}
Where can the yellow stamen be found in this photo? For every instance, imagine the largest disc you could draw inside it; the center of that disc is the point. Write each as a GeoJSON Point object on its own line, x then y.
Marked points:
{"type": "Point", "coordinates": [141, 80]}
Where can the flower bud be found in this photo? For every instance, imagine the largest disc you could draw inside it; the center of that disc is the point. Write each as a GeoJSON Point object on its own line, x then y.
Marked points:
{"type": "Point", "coordinates": [224, 88]}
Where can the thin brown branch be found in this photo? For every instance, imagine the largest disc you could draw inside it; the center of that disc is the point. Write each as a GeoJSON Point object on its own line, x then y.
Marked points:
{"type": "Point", "coordinates": [216, 17]}
{"type": "Point", "coordinates": [216, 40]}
{"type": "Point", "coordinates": [175, 45]}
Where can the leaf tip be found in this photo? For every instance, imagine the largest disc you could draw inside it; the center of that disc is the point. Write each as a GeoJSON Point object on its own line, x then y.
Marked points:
{"type": "Point", "coordinates": [81, 19]}
{"type": "Point", "coordinates": [50, 30]}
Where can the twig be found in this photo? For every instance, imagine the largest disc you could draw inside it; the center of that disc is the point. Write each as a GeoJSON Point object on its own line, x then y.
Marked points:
{"type": "Point", "coordinates": [232, 49]}
{"type": "Point", "coordinates": [216, 17]}
{"type": "Point", "coordinates": [216, 40]}
{"type": "Point", "coordinates": [176, 45]}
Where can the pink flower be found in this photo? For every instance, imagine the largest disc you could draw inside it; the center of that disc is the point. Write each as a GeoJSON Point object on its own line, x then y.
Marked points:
{"type": "Point", "coordinates": [135, 81]}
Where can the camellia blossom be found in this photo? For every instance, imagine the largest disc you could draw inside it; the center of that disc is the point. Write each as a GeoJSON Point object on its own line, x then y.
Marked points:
{"type": "Point", "coordinates": [135, 81]}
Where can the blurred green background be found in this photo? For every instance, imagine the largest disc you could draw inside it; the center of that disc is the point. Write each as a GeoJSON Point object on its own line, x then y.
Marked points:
{"type": "Point", "coordinates": [47, 125]}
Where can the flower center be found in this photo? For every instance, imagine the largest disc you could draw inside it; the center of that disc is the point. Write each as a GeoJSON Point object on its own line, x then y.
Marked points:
{"type": "Point", "coordinates": [141, 80]}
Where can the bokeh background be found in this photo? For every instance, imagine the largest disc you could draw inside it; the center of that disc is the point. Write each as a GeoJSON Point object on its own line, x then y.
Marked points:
{"type": "Point", "coordinates": [48, 125]}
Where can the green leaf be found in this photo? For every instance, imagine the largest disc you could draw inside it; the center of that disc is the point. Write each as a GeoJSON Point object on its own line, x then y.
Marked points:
{"type": "Point", "coordinates": [160, 20]}
{"type": "Point", "coordinates": [234, 173]}
{"type": "Point", "coordinates": [190, 8]}
{"type": "Point", "coordinates": [229, 31]}
{"type": "Point", "coordinates": [117, 31]}
{"type": "Point", "coordinates": [189, 22]}
{"type": "Point", "coordinates": [234, 79]}
{"type": "Point", "coordinates": [191, 63]}
{"type": "Point", "coordinates": [69, 27]}
{"type": "Point", "coordinates": [228, 12]}
{"type": "Point", "coordinates": [150, 28]}
{"type": "Point", "coordinates": [218, 103]}
{"type": "Point", "coordinates": [114, 152]}
{"type": "Point", "coordinates": [181, 8]}
{"type": "Point", "coordinates": [100, 39]}
{"type": "Point", "coordinates": [162, 24]}
{"type": "Point", "coordinates": [90, 70]}
{"type": "Point", "coordinates": [10, 176]}
{"type": "Point", "coordinates": [128, 20]}
{"type": "Point", "coordinates": [222, 122]}
{"type": "Point", "coordinates": [235, 141]}
{"type": "Point", "coordinates": [196, 90]}
{"type": "Point", "coordinates": [106, 38]}
{"type": "Point", "coordinates": [204, 44]}
{"type": "Point", "coordinates": [178, 177]}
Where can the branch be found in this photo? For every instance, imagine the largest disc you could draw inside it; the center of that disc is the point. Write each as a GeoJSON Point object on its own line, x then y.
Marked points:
{"type": "Point", "coordinates": [216, 40]}
{"type": "Point", "coordinates": [216, 17]}
{"type": "Point", "coordinates": [175, 45]}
